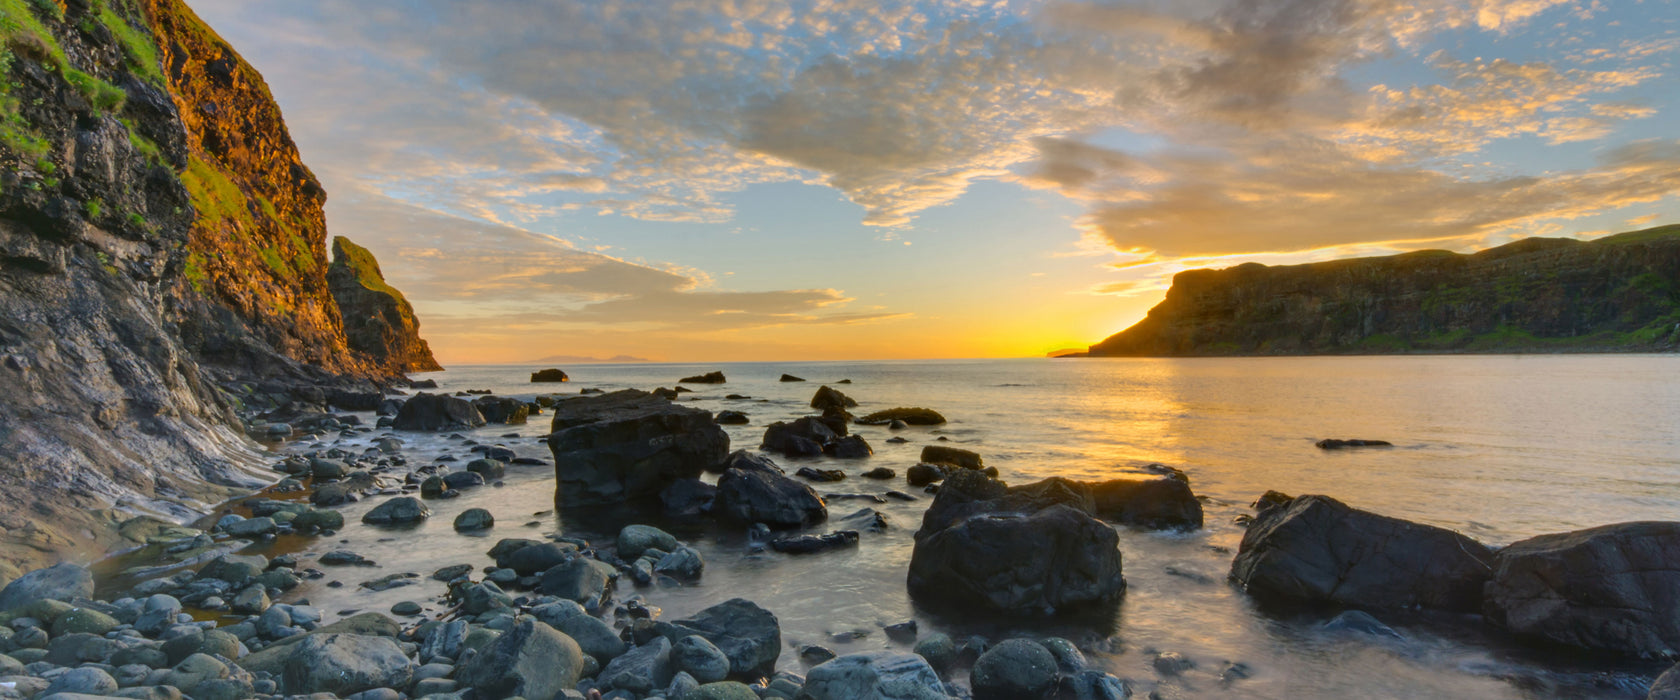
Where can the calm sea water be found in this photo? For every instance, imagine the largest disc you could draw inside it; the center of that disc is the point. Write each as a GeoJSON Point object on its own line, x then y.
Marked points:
{"type": "Point", "coordinates": [1500, 448]}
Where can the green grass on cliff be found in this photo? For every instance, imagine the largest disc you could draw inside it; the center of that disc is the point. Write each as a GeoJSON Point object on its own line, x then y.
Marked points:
{"type": "Point", "coordinates": [361, 260]}
{"type": "Point", "coordinates": [138, 48]}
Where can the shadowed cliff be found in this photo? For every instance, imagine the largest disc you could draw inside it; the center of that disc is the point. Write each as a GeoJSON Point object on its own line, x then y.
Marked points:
{"type": "Point", "coordinates": [159, 240]}
{"type": "Point", "coordinates": [1616, 294]}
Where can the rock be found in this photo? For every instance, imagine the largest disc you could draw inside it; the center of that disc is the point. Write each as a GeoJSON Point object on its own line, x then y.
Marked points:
{"type": "Point", "coordinates": [378, 321]}
{"type": "Point", "coordinates": [1667, 685]}
{"type": "Point", "coordinates": [490, 469]}
{"type": "Point", "coordinates": [318, 519]}
{"type": "Point", "coordinates": [983, 545]}
{"type": "Point", "coordinates": [61, 582]}
{"type": "Point", "coordinates": [850, 447]}
{"type": "Point", "coordinates": [939, 650]}
{"type": "Point", "coordinates": [1361, 622]}
{"type": "Point", "coordinates": [502, 410]}
{"type": "Point", "coordinates": [700, 658]}
{"type": "Point", "coordinates": [532, 660]}
{"type": "Point", "coordinates": [1171, 663]}
{"type": "Point", "coordinates": [344, 557]}
{"type": "Point", "coordinates": [791, 378]}
{"type": "Point", "coordinates": [924, 474]}
{"type": "Point", "coordinates": [635, 539]}
{"type": "Point", "coordinates": [1016, 669]}
{"type": "Point", "coordinates": [84, 681]}
{"type": "Point", "coordinates": [474, 519]}
{"type": "Point", "coordinates": [344, 664]}
{"type": "Point", "coordinates": [911, 416]}
{"type": "Point", "coordinates": [460, 480]}
{"type": "Point", "coordinates": [549, 375]}
{"type": "Point", "coordinates": [436, 412]}
{"type": "Point", "coordinates": [767, 497]}
{"type": "Point", "coordinates": [683, 563]}
{"type": "Point", "coordinates": [83, 621]}
{"type": "Point", "coordinates": [707, 378]}
{"type": "Point", "coordinates": [592, 635]}
{"type": "Point", "coordinates": [725, 690]}
{"type": "Point", "coordinates": [538, 557]}
{"type": "Point", "coordinates": [234, 568]}
{"type": "Point", "coordinates": [749, 461]}
{"type": "Point", "coordinates": [407, 608]}
{"type": "Point", "coordinates": [1614, 588]}
{"type": "Point", "coordinates": [580, 580]}
{"type": "Point", "coordinates": [896, 424]}
{"type": "Point", "coordinates": [827, 398]}
{"type": "Point", "coordinates": [811, 544]}
{"type": "Point", "coordinates": [1069, 659]}
{"type": "Point", "coordinates": [480, 598]}
{"type": "Point", "coordinates": [1094, 685]}
{"type": "Point", "coordinates": [880, 473]}
{"type": "Point", "coordinates": [731, 418]}
{"type": "Point", "coordinates": [629, 444]}
{"type": "Point", "coordinates": [880, 675]}
{"type": "Point", "coordinates": [805, 437]}
{"type": "Point", "coordinates": [940, 454]}
{"type": "Point", "coordinates": [687, 497]}
{"type": "Point", "coordinates": [1151, 503]}
{"type": "Point", "coordinates": [821, 475]}
{"type": "Point", "coordinates": [398, 511]}
{"type": "Point", "coordinates": [252, 600]}
{"type": "Point", "coordinates": [1270, 500]}
{"type": "Point", "coordinates": [746, 633]}
{"type": "Point", "coordinates": [1320, 550]}
{"type": "Point", "coordinates": [1333, 444]}
{"type": "Point", "coordinates": [640, 669]}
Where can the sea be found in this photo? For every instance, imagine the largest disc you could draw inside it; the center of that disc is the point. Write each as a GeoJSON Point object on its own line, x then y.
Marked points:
{"type": "Point", "coordinates": [1499, 448]}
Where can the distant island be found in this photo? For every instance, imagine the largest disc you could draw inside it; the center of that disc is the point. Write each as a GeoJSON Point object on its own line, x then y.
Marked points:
{"type": "Point", "coordinates": [580, 359]}
{"type": "Point", "coordinates": [1620, 293]}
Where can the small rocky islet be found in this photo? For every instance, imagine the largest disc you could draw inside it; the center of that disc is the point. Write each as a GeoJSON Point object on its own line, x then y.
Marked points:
{"type": "Point", "coordinates": [560, 616]}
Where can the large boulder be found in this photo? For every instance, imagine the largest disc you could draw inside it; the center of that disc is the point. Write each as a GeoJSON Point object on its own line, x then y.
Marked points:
{"type": "Point", "coordinates": [532, 660]}
{"type": "Point", "coordinates": [1319, 550]}
{"type": "Point", "coordinates": [827, 398]}
{"type": "Point", "coordinates": [1159, 503]}
{"type": "Point", "coordinates": [707, 378]}
{"type": "Point", "coordinates": [436, 412]}
{"type": "Point", "coordinates": [749, 635]}
{"type": "Point", "coordinates": [345, 664]}
{"type": "Point", "coordinates": [1614, 588]}
{"type": "Point", "coordinates": [954, 456]}
{"type": "Point", "coordinates": [629, 444]}
{"type": "Point", "coordinates": [62, 582]}
{"type": "Point", "coordinates": [879, 675]}
{"type": "Point", "coordinates": [549, 375]}
{"type": "Point", "coordinates": [501, 409]}
{"type": "Point", "coordinates": [805, 437]}
{"type": "Point", "coordinates": [398, 511]}
{"type": "Point", "coordinates": [763, 496]}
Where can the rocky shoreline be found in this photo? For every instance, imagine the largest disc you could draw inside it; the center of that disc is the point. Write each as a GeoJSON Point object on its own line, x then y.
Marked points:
{"type": "Point", "coordinates": [564, 616]}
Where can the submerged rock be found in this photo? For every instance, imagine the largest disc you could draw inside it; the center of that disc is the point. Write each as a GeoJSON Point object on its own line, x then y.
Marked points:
{"type": "Point", "coordinates": [1614, 588]}
{"type": "Point", "coordinates": [911, 416]}
{"type": "Point", "coordinates": [1318, 549]}
{"type": "Point", "coordinates": [398, 511]}
{"type": "Point", "coordinates": [811, 544]}
{"type": "Point", "coordinates": [1334, 444]}
{"type": "Point", "coordinates": [629, 444]}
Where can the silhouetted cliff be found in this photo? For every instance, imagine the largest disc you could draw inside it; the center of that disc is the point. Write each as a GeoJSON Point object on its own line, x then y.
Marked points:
{"type": "Point", "coordinates": [1620, 293]}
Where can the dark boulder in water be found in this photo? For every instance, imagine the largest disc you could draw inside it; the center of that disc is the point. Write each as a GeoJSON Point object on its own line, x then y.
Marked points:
{"type": "Point", "coordinates": [1152, 503]}
{"type": "Point", "coordinates": [823, 475]}
{"type": "Point", "coordinates": [749, 635]}
{"type": "Point", "coordinates": [805, 437]}
{"type": "Point", "coordinates": [707, 378]}
{"type": "Point", "coordinates": [497, 409]}
{"type": "Point", "coordinates": [437, 412]}
{"type": "Point", "coordinates": [1319, 550]}
{"type": "Point", "coordinates": [827, 398]}
{"type": "Point", "coordinates": [762, 496]}
{"type": "Point", "coordinates": [849, 447]}
{"type": "Point", "coordinates": [911, 416]}
{"type": "Point", "coordinates": [791, 378]}
{"type": "Point", "coordinates": [549, 375]}
{"type": "Point", "coordinates": [811, 544]}
{"type": "Point", "coordinates": [940, 454]}
{"type": "Point", "coordinates": [629, 444]}
{"type": "Point", "coordinates": [1667, 685]}
{"type": "Point", "coordinates": [1613, 588]}
{"type": "Point", "coordinates": [924, 474]}
{"type": "Point", "coordinates": [1334, 444]}
{"type": "Point", "coordinates": [1030, 551]}
{"type": "Point", "coordinates": [731, 418]}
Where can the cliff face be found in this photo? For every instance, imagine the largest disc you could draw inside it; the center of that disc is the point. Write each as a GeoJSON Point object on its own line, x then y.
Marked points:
{"type": "Point", "coordinates": [158, 237]}
{"type": "Point", "coordinates": [378, 320]}
{"type": "Point", "coordinates": [1619, 293]}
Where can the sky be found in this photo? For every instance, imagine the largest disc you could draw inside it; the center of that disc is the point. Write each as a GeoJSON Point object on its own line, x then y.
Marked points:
{"type": "Point", "coordinates": [719, 180]}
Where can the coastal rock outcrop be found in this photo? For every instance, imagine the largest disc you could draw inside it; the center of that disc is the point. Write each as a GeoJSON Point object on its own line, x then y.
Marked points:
{"type": "Point", "coordinates": [378, 320]}
{"type": "Point", "coordinates": [1612, 588]}
{"type": "Point", "coordinates": [1543, 294]}
{"type": "Point", "coordinates": [1034, 551]}
{"type": "Point", "coordinates": [629, 444]}
{"type": "Point", "coordinates": [1319, 550]}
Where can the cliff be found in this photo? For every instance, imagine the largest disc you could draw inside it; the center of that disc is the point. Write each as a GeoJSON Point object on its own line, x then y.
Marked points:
{"type": "Point", "coordinates": [162, 265]}
{"type": "Point", "coordinates": [1615, 294]}
{"type": "Point", "coordinates": [378, 320]}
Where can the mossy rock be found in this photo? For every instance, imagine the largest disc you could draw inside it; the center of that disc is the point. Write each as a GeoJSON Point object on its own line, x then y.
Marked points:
{"type": "Point", "coordinates": [913, 416]}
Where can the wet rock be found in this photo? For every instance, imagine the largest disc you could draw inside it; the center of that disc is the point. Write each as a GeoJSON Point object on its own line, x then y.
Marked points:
{"type": "Point", "coordinates": [344, 557]}
{"type": "Point", "coordinates": [407, 608]}
{"type": "Point", "coordinates": [812, 544]}
{"type": "Point", "coordinates": [398, 511]}
{"type": "Point", "coordinates": [687, 497]}
{"type": "Point", "coordinates": [61, 582]}
{"type": "Point", "coordinates": [1320, 550]}
{"type": "Point", "coordinates": [732, 418]}
{"type": "Point", "coordinates": [911, 416]}
{"type": "Point", "coordinates": [234, 568]}
{"type": "Point", "coordinates": [791, 378]}
{"type": "Point", "coordinates": [1069, 659]}
{"type": "Point", "coordinates": [432, 412]}
{"type": "Point", "coordinates": [445, 640]}
{"type": "Point", "coordinates": [1667, 685]}
{"type": "Point", "coordinates": [640, 669]}
{"type": "Point", "coordinates": [827, 398]}
{"type": "Point", "coordinates": [344, 664]}
{"type": "Point", "coordinates": [483, 597]}
{"type": "Point", "coordinates": [707, 378]}
{"type": "Point", "coordinates": [635, 539]}
{"type": "Point", "coordinates": [805, 437]}
{"type": "Point", "coordinates": [938, 649]}
{"type": "Point", "coordinates": [880, 473]}
{"type": "Point", "coordinates": [902, 632]}
{"type": "Point", "coordinates": [474, 519]}
{"type": "Point", "coordinates": [865, 519]}
{"type": "Point", "coordinates": [592, 635]}
{"type": "Point", "coordinates": [83, 681]}
{"type": "Point", "coordinates": [849, 447]}
{"type": "Point", "coordinates": [1152, 503]}
{"type": "Point", "coordinates": [549, 375]}
{"type": "Point", "coordinates": [760, 496]}
{"type": "Point", "coordinates": [532, 660]}
{"type": "Point", "coordinates": [1334, 444]}
{"type": "Point", "coordinates": [629, 444]}
{"type": "Point", "coordinates": [538, 557]}
{"type": "Point", "coordinates": [1024, 551]}
{"type": "Point", "coordinates": [318, 519]}
{"type": "Point", "coordinates": [724, 690]}
{"type": "Point", "coordinates": [880, 675]}
{"type": "Point", "coordinates": [502, 410]}
{"type": "Point", "coordinates": [1171, 663]}
{"type": "Point", "coordinates": [1015, 669]}
{"type": "Point", "coordinates": [952, 456]}
{"type": "Point", "coordinates": [924, 474]}
{"type": "Point", "coordinates": [700, 658]}
{"type": "Point", "coordinates": [490, 469]}
{"type": "Point", "coordinates": [581, 579]}
{"type": "Point", "coordinates": [683, 563]}
{"type": "Point", "coordinates": [1361, 622]}
{"type": "Point", "coordinates": [1614, 588]}
{"type": "Point", "coordinates": [1094, 685]}
{"type": "Point", "coordinates": [820, 475]}
{"type": "Point", "coordinates": [748, 634]}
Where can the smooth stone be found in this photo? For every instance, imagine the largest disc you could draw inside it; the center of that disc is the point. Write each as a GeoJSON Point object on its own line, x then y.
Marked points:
{"type": "Point", "coordinates": [879, 675]}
